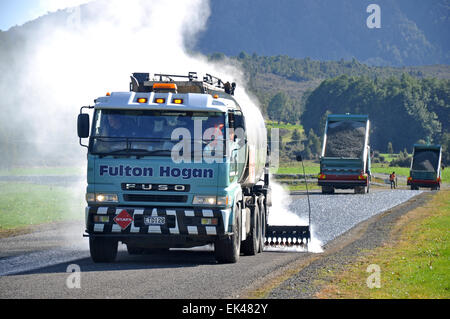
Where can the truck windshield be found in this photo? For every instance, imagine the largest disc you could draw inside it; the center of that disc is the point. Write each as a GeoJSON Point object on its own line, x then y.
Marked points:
{"type": "Point", "coordinates": [345, 139]}
{"type": "Point", "coordinates": [150, 132]}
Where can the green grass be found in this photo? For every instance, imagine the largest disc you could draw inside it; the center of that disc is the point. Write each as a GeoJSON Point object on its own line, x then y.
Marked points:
{"type": "Point", "coordinates": [416, 266]}
{"type": "Point", "coordinates": [301, 187]}
{"type": "Point", "coordinates": [389, 157]}
{"type": "Point", "coordinates": [42, 171]}
{"type": "Point", "coordinates": [287, 126]}
{"type": "Point", "coordinates": [386, 169]}
{"type": "Point", "coordinates": [296, 168]}
{"type": "Point", "coordinates": [404, 171]}
{"type": "Point", "coordinates": [24, 204]}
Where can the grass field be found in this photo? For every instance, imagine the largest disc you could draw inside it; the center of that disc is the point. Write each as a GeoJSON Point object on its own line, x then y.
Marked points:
{"type": "Point", "coordinates": [301, 187]}
{"type": "Point", "coordinates": [24, 204]}
{"type": "Point", "coordinates": [296, 168]}
{"type": "Point", "coordinates": [287, 126]}
{"type": "Point", "coordinates": [386, 169]}
{"type": "Point", "coordinates": [389, 157]}
{"type": "Point", "coordinates": [312, 167]}
{"type": "Point", "coordinates": [290, 128]}
{"type": "Point", "coordinates": [416, 266]}
{"type": "Point", "coordinates": [404, 171]}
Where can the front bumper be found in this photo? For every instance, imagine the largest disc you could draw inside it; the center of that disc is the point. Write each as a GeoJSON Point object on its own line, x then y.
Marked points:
{"type": "Point", "coordinates": [182, 222]}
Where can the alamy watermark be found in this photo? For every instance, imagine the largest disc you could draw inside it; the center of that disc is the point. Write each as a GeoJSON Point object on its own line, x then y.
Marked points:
{"type": "Point", "coordinates": [73, 281]}
{"type": "Point", "coordinates": [374, 280]}
{"type": "Point", "coordinates": [374, 19]}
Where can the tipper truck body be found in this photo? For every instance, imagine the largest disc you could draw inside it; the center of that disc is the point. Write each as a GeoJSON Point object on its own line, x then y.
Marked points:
{"type": "Point", "coordinates": [425, 167]}
{"type": "Point", "coordinates": [345, 158]}
{"type": "Point", "coordinates": [186, 166]}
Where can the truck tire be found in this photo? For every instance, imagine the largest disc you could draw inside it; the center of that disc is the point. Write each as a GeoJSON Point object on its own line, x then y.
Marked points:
{"type": "Point", "coordinates": [103, 250]}
{"type": "Point", "coordinates": [250, 246]}
{"type": "Point", "coordinates": [327, 190]}
{"type": "Point", "coordinates": [133, 250]}
{"type": "Point", "coordinates": [227, 250]}
{"type": "Point", "coordinates": [360, 189]}
{"type": "Point", "coordinates": [262, 214]}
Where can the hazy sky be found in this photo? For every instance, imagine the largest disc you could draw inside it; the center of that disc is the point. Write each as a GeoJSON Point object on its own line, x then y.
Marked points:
{"type": "Point", "coordinates": [17, 12]}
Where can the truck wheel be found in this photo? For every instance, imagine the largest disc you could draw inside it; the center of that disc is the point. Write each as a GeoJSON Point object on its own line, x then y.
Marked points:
{"type": "Point", "coordinates": [102, 249]}
{"type": "Point", "coordinates": [227, 250]}
{"type": "Point", "coordinates": [133, 250]}
{"type": "Point", "coordinates": [262, 214]}
{"type": "Point", "coordinates": [327, 190]}
{"type": "Point", "coordinates": [250, 246]}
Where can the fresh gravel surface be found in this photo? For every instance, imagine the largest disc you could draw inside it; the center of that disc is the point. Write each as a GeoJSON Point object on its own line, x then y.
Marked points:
{"type": "Point", "coordinates": [332, 215]}
{"type": "Point", "coordinates": [375, 231]}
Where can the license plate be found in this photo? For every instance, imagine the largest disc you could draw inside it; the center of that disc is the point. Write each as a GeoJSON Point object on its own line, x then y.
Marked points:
{"type": "Point", "coordinates": [154, 220]}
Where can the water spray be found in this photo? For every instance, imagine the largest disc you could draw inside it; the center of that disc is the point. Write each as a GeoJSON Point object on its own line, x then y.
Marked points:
{"type": "Point", "coordinates": [288, 236]}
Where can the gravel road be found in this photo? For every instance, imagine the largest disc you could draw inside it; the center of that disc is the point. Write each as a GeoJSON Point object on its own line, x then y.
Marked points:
{"type": "Point", "coordinates": [35, 265]}
{"type": "Point", "coordinates": [338, 253]}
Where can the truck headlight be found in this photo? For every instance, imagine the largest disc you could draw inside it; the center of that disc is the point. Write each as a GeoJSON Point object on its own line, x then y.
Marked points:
{"type": "Point", "coordinates": [101, 198]}
{"type": "Point", "coordinates": [211, 200]}
{"type": "Point", "coordinates": [106, 198]}
{"type": "Point", "coordinates": [222, 200]}
{"type": "Point", "coordinates": [204, 200]}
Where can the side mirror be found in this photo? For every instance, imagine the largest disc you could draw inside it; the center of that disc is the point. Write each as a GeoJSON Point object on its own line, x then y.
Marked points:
{"type": "Point", "coordinates": [299, 158]}
{"type": "Point", "coordinates": [83, 125]}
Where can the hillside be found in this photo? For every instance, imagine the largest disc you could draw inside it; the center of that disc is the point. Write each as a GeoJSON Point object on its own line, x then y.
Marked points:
{"type": "Point", "coordinates": [412, 32]}
{"type": "Point", "coordinates": [297, 78]}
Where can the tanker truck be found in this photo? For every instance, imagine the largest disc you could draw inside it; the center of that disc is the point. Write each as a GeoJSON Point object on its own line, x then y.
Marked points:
{"type": "Point", "coordinates": [345, 158]}
{"type": "Point", "coordinates": [425, 167]}
{"type": "Point", "coordinates": [175, 162]}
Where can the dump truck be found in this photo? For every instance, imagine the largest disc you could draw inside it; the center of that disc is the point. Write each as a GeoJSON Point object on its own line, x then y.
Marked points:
{"type": "Point", "coordinates": [175, 162]}
{"type": "Point", "coordinates": [345, 157]}
{"type": "Point", "coordinates": [425, 168]}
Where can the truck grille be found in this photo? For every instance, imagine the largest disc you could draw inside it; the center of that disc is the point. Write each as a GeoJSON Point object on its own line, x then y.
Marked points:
{"type": "Point", "coordinates": [155, 198]}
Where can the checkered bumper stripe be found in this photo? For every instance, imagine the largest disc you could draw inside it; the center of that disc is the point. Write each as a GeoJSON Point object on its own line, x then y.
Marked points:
{"type": "Point", "coordinates": [178, 221]}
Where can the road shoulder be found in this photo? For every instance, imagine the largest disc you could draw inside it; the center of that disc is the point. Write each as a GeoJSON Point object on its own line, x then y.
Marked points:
{"type": "Point", "coordinates": [306, 277]}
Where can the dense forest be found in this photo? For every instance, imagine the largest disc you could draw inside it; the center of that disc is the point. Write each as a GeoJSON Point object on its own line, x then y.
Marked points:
{"type": "Point", "coordinates": [402, 110]}
{"type": "Point", "coordinates": [405, 105]}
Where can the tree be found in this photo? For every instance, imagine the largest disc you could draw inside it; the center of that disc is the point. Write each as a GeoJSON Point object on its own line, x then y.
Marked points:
{"type": "Point", "coordinates": [278, 107]}
{"type": "Point", "coordinates": [390, 149]}
{"type": "Point", "coordinates": [445, 143]}
{"type": "Point", "coordinates": [296, 136]}
{"type": "Point", "coordinates": [401, 109]}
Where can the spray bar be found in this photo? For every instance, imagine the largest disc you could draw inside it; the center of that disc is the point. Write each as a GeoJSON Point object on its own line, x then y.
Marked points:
{"type": "Point", "coordinates": [287, 235]}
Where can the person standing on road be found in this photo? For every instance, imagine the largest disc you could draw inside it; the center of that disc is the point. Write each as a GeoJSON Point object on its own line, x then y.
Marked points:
{"type": "Point", "coordinates": [392, 180]}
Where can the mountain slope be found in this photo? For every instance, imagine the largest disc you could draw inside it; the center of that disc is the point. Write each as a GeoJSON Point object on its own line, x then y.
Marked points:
{"type": "Point", "coordinates": [412, 32]}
